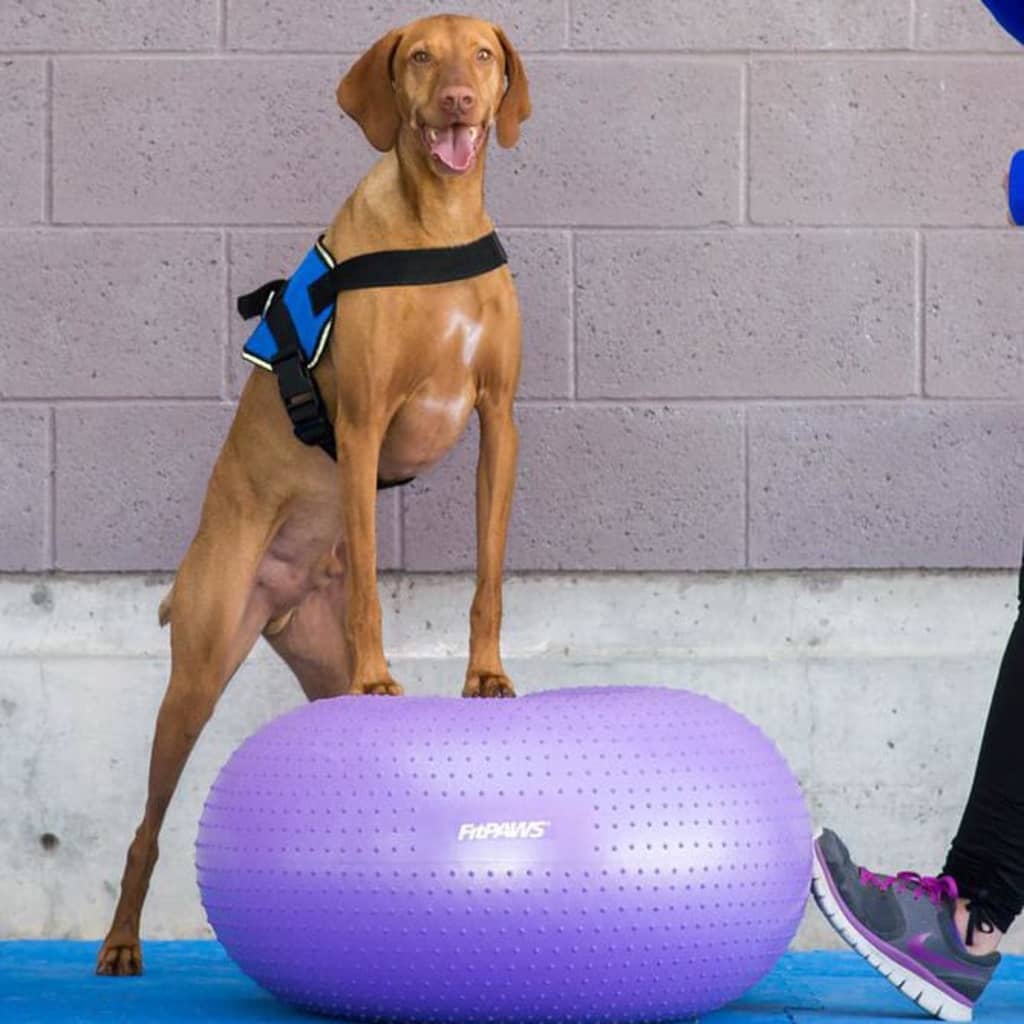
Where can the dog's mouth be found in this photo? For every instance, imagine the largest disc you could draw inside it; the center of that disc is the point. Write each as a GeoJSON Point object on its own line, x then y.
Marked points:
{"type": "Point", "coordinates": [453, 148]}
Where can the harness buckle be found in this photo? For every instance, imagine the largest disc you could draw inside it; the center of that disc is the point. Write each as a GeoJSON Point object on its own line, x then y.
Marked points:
{"type": "Point", "coordinates": [303, 401]}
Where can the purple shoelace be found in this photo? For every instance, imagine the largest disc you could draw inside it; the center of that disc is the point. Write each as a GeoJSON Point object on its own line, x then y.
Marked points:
{"type": "Point", "coordinates": [936, 889]}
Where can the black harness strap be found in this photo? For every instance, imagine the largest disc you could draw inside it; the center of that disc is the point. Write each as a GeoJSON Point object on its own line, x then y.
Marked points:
{"type": "Point", "coordinates": [397, 267]}
{"type": "Point", "coordinates": [296, 384]}
{"type": "Point", "coordinates": [254, 303]}
{"type": "Point", "coordinates": [299, 392]}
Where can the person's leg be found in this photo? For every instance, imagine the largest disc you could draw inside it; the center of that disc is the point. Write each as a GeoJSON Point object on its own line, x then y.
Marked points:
{"type": "Point", "coordinates": [903, 926]}
{"type": "Point", "coordinates": [987, 856]}
{"type": "Point", "coordinates": [935, 938]}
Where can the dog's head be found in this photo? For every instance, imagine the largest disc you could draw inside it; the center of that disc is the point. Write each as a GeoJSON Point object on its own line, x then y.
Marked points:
{"type": "Point", "coordinates": [445, 80]}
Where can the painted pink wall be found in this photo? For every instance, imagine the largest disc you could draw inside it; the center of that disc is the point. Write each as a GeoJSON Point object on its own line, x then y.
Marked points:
{"type": "Point", "coordinates": [773, 311]}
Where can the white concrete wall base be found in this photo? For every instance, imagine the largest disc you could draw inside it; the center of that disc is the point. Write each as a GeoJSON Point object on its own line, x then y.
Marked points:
{"type": "Point", "coordinates": [874, 685]}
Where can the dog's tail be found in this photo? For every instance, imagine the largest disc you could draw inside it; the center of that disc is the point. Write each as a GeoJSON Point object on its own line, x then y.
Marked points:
{"type": "Point", "coordinates": [164, 615]}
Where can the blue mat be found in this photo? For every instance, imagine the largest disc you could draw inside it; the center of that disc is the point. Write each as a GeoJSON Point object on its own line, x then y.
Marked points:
{"type": "Point", "coordinates": [43, 982]}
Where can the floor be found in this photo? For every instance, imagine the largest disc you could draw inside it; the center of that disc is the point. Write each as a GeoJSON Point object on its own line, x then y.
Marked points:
{"type": "Point", "coordinates": [44, 982]}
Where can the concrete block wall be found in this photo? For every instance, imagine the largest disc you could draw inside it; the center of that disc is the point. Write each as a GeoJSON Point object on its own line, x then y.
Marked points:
{"type": "Point", "coordinates": [773, 310]}
{"type": "Point", "coordinates": [772, 316]}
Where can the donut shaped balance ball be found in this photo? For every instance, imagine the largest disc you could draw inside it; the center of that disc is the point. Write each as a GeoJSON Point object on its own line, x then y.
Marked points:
{"type": "Point", "coordinates": [603, 854]}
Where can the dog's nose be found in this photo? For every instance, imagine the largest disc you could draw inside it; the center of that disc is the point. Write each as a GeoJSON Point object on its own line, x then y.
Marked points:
{"type": "Point", "coordinates": [457, 99]}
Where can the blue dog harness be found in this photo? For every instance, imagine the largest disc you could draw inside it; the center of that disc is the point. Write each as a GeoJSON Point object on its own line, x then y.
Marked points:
{"type": "Point", "coordinates": [312, 329]}
{"type": "Point", "coordinates": [298, 315]}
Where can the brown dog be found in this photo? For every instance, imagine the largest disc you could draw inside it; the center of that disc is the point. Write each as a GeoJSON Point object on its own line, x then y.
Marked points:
{"type": "Point", "coordinates": [285, 545]}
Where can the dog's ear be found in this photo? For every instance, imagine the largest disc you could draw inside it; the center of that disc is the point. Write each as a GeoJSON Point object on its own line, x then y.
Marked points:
{"type": "Point", "coordinates": [515, 104]}
{"type": "Point", "coordinates": [367, 93]}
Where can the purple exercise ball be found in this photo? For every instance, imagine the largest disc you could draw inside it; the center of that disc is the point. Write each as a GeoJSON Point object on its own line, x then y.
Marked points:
{"type": "Point", "coordinates": [600, 854]}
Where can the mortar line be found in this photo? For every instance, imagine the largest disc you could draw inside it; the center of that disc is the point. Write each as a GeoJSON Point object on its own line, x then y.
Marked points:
{"type": "Point", "coordinates": [913, 25]}
{"type": "Point", "coordinates": [48, 145]}
{"type": "Point", "coordinates": [715, 228]}
{"type": "Point", "coordinates": [568, 25]}
{"type": "Point", "coordinates": [718, 576]}
{"type": "Point", "coordinates": [903, 54]}
{"type": "Point", "coordinates": [745, 143]}
{"type": "Point", "coordinates": [634, 401]}
{"type": "Point", "coordinates": [121, 401]}
{"type": "Point", "coordinates": [574, 359]}
{"type": "Point", "coordinates": [225, 249]}
{"type": "Point", "coordinates": [222, 26]}
{"type": "Point", "coordinates": [729, 227]}
{"type": "Point", "coordinates": [731, 401]}
{"type": "Point", "coordinates": [920, 312]}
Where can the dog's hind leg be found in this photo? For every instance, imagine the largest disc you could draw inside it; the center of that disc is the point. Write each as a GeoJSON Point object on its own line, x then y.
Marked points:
{"type": "Point", "coordinates": [217, 616]}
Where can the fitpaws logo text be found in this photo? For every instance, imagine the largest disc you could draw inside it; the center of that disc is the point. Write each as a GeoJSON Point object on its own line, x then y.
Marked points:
{"type": "Point", "coordinates": [474, 832]}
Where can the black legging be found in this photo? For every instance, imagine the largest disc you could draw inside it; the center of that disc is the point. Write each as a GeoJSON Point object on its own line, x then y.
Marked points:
{"type": "Point", "coordinates": [987, 855]}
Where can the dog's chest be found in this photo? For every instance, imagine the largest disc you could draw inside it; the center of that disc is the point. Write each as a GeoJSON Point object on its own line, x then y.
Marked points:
{"type": "Point", "coordinates": [450, 357]}
{"type": "Point", "coordinates": [460, 336]}
{"type": "Point", "coordinates": [442, 350]}
{"type": "Point", "coordinates": [448, 349]}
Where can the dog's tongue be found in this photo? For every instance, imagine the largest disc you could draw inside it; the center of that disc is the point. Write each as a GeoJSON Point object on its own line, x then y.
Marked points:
{"type": "Point", "coordinates": [453, 147]}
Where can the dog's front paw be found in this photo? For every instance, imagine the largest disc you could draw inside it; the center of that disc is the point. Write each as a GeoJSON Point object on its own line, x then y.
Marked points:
{"type": "Point", "coordinates": [488, 684]}
{"type": "Point", "coordinates": [378, 688]}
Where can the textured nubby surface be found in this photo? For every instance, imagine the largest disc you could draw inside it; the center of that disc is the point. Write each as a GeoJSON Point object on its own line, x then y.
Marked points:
{"type": "Point", "coordinates": [590, 854]}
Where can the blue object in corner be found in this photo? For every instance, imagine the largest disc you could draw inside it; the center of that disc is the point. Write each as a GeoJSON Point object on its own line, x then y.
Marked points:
{"type": "Point", "coordinates": [1009, 14]}
{"type": "Point", "coordinates": [1016, 188]}
{"type": "Point", "coordinates": [313, 329]}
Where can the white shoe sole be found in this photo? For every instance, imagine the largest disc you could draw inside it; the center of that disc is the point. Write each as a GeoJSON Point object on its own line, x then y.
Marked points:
{"type": "Point", "coordinates": [931, 999]}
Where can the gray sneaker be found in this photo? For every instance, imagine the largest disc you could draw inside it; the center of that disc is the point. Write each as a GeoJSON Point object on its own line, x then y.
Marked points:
{"type": "Point", "coordinates": [903, 926]}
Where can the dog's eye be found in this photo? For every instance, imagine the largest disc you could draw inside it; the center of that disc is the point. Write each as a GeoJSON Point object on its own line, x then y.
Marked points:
{"type": "Point", "coordinates": [421, 57]}
{"type": "Point", "coordinates": [484, 54]}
